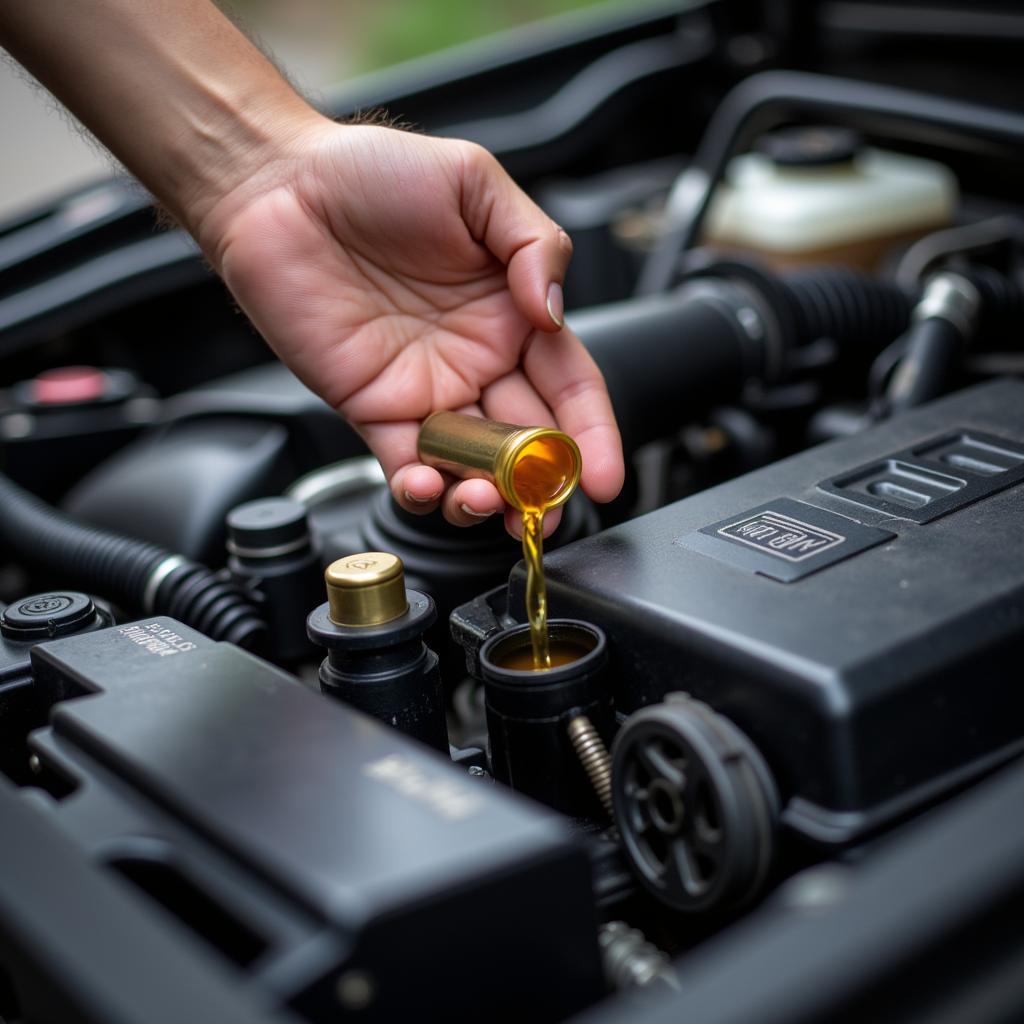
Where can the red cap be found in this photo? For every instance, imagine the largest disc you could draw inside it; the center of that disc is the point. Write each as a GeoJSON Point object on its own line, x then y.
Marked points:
{"type": "Point", "coordinates": [68, 385]}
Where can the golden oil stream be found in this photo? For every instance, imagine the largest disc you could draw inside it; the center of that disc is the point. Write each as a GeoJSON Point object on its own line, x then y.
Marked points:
{"type": "Point", "coordinates": [540, 475]}
{"type": "Point", "coordinates": [536, 591]}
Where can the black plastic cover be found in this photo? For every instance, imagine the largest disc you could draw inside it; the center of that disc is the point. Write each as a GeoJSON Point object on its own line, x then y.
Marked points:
{"type": "Point", "coordinates": [872, 684]}
{"type": "Point", "coordinates": [317, 840]}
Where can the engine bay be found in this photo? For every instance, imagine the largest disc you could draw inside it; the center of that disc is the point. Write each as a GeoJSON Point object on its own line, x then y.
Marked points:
{"type": "Point", "coordinates": [776, 780]}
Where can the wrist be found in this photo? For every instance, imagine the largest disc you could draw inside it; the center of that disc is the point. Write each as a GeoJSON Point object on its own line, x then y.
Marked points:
{"type": "Point", "coordinates": [236, 148]}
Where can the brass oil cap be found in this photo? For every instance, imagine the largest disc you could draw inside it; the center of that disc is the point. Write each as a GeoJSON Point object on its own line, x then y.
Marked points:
{"type": "Point", "coordinates": [366, 589]}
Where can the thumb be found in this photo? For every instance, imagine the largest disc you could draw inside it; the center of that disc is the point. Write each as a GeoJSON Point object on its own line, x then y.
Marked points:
{"type": "Point", "coordinates": [518, 232]}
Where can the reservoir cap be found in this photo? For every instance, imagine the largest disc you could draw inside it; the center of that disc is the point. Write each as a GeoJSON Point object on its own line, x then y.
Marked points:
{"type": "Point", "coordinates": [366, 589]}
{"type": "Point", "coordinates": [267, 527]}
{"type": "Point", "coordinates": [41, 616]}
{"type": "Point", "coordinates": [810, 146]}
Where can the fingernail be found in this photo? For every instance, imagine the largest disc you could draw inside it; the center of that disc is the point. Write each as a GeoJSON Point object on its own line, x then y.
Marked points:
{"type": "Point", "coordinates": [421, 501]}
{"type": "Point", "coordinates": [476, 515]}
{"type": "Point", "coordinates": [556, 304]}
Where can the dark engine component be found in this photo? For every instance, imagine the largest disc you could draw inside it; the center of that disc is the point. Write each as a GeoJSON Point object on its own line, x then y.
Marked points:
{"type": "Point", "coordinates": [695, 804]}
{"type": "Point", "coordinates": [273, 557]}
{"type": "Point", "coordinates": [24, 623]}
{"type": "Point", "coordinates": [863, 940]}
{"type": "Point", "coordinates": [956, 307]}
{"type": "Point", "coordinates": [833, 606]}
{"type": "Point", "coordinates": [174, 487]}
{"type": "Point", "coordinates": [442, 559]}
{"type": "Point", "coordinates": [45, 616]}
{"type": "Point", "coordinates": [67, 419]}
{"type": "Point", "coordinates": [243, 437]}
{"type": "Point", "coordinates": [211, 781]}
{"type": "Point", "coordinates": [935, 345]}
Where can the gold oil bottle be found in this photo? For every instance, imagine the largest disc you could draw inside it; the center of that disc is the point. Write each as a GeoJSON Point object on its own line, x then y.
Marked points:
{"type": "Point", "coordinates": [535, 469]}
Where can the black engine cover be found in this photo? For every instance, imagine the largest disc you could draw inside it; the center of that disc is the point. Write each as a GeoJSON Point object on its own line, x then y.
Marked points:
{"type": "Point", "coordinates": [324, 860]}
{"type": "Point", "coordinates": [857, 609]}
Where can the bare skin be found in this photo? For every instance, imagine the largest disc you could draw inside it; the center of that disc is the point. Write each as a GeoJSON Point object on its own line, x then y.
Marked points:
{"type": "Point", "coordinates": [394, 273]}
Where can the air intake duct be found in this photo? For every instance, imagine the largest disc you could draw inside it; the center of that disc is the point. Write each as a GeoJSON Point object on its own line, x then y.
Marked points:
{"type": "Point", "coordinates": [668, 358]}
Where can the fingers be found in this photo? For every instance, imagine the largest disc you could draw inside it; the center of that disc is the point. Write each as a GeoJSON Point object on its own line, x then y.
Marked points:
{"type": "Point", "coordinates": [417, 488]}
{"type": "Point", "coordinates": [471, 502]}
{"type": "Point", "coordinates": [513, 399]}
{"type": "Point", "coordinates": [560, 371]}
{"type": "Point", "coordinates": [560, 376]}
{"type": "Point", "coordinates": [532, 246]}
{"type": "Point", "coordinates": [421, 489]}
{"type": "Point", "coordinates": [568, 380]}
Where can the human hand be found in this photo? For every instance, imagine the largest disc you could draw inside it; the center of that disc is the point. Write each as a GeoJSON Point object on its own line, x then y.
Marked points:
{"type": "Point", "coordinates": [398, 274]}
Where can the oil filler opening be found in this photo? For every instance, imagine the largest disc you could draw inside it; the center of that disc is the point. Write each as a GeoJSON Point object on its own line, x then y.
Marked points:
{"type": "Point", "coordinates": [571, 643]}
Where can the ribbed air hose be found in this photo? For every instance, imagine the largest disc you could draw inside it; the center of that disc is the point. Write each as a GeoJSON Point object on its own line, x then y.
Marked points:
{"type": "Point", "coordinates": [134, 574]}
{"type": "Point", "coordinates": [1002, 305]}
{"type": "Point", "coordinates": [852, 308]}
{"type": "Point", "coordinates": [680, 353]}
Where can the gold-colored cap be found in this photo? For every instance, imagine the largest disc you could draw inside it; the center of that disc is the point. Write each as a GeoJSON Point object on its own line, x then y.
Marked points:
{"type": "Point", "coordinates": [366, 589]}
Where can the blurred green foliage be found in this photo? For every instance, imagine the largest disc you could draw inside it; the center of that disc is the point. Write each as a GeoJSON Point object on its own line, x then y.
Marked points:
{"type": "Point", "coordinates": [397, 30]}
{"type": "Point", "coordinates": [325, 41]}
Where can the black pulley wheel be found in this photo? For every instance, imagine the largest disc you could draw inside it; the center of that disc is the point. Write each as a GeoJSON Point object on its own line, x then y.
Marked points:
{"type": "Point", "coordinates": [695, 805]}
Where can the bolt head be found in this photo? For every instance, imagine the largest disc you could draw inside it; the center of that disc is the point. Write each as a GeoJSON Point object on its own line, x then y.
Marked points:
{"type": "Point", "coordinates": [356, 989]}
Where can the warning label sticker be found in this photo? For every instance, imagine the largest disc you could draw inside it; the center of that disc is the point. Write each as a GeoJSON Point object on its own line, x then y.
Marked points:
{"type": "Point", "coordinates": [781, 535]}
{"type": "Point", "coordinates": [784, 539]}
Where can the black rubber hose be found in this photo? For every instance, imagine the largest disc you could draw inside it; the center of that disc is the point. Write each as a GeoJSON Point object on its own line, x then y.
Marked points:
{"type": "Point", "coordinates": [933, 354]}
{"type": "Point", "coordinates": [973, 305]}
{"type": "Point", "coordinates": [1002, 306]}
{"type": "Point", "coordinates": [767, 100]}
{"type": "Point", "coordinates": [859, 312]}
{"type": "Point", "coordinates": [669, 358]}
{"type": "Point", "coordinates": [134, 574]}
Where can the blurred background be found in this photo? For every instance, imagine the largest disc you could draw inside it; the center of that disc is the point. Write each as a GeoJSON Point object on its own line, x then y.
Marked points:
{"type": "Point", "coordinates": [319, 43]}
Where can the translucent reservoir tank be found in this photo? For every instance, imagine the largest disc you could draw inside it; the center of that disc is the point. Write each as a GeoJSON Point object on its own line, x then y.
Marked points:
{"type": "Point", "coordinates": [812, 195]}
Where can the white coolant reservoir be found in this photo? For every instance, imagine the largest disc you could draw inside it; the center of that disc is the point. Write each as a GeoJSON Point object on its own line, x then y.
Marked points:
{"type": "Point", "coordinates": [812, 195]}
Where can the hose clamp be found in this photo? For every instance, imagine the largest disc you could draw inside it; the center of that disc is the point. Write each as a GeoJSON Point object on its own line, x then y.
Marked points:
{"type": "Point", "coordinates": [951, 297]}
{"type": "Point", "coordinates": [337, 481]}
{"type": "Point", "coordinates": [755, 317]}
{"type": "Point", "coordinates": [752, 317]}
{"type": "Point", "coordinates": [156, 577]}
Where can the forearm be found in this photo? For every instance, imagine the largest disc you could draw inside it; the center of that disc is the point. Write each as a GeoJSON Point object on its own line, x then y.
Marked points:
{"type": "Point", "coordinates": [174, 90]}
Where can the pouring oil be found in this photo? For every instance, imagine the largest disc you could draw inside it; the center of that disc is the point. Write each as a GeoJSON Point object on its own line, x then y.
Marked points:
{"type": "Point", "coordinates": [540, 476]}
{"type": "Point", "coordinates": [536, 588]}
